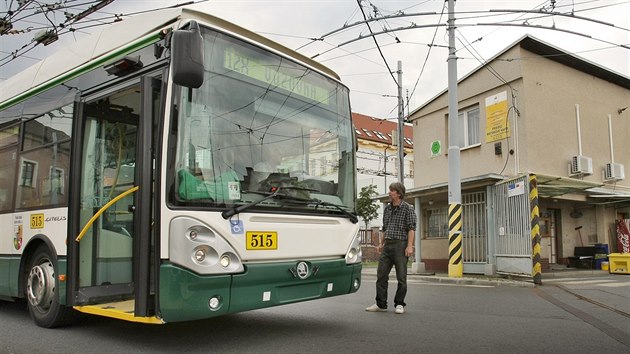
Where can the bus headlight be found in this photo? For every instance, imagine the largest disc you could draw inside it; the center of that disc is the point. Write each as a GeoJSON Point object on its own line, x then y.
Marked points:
{"type": "Point", "coordinates": [200, 255]}
{"type": "Point", "coordinates": [225, 261]}
{"type": "Point", "coordinates": [354, 253]}
{"type": "Point", "coordinates": [202, 249]}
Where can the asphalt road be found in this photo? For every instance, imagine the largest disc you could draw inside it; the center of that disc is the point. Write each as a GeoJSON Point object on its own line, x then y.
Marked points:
{"type": "Point", "coordinates": [440, 318]}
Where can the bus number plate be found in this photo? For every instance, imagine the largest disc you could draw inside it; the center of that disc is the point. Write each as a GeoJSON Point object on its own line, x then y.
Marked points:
{"type": "Point", "coordinates": [261, 240]}
{"type": "Point", "coordinates": [37, 221]}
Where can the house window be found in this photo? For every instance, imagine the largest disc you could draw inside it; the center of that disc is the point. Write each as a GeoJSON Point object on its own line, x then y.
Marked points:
{"type": "Point", "coordinates": [437, 225]}
{"type": "Point", "coordinates": [468, 120]}
{"type": "Point", "coordinates": [27, 177]}
{"type": "Point", "coordinates": [55, 182]}
{"type": "Point", "coordinates": [358, 132]}
{"type": "Point", "coordinates": [367, 132]}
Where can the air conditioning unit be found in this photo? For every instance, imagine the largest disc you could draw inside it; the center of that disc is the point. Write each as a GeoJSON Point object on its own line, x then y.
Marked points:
{"type": "Point", "coordinates": [614, 172]}
{"type": "Point", "coordinates": [581, 165]}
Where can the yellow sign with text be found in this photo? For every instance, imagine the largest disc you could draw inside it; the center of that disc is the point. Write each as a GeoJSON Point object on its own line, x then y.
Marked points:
{"type": "Point", "coordinates": [37, 221]}
{"type": "Point", "coordinates": [497, 123]}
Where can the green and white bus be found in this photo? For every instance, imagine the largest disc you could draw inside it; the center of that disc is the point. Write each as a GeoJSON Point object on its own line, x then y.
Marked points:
{"type": "Point", "coordinates": [175, 167]}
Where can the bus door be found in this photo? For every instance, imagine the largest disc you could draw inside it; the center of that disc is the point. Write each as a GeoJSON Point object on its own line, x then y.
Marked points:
{"type": "Point", "coordinates": [112, 252]}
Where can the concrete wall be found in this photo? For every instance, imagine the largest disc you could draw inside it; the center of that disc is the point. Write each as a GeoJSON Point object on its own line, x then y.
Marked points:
{"type": "Point", "coordinates": [551, 91]}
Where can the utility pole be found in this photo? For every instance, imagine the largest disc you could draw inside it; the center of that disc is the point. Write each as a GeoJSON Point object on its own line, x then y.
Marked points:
{"type": "Point", "coordinates": [455, 265]}
{"type": "Point", "coordinates": [401, 130]}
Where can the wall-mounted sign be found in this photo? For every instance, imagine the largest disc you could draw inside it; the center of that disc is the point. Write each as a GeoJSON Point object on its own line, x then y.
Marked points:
{"type": "Point", "coordinates": [436, 148]}
{"type": "Point", "coordinates": [516, 188]}
{"type": "Point", "coordinates": [497, 123]}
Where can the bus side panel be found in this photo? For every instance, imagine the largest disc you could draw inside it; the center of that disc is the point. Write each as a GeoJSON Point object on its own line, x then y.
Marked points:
{"type": "Point", "coordinates": [9, 268]}
{"type": "Point", "coordinates": [272, 284]}
{"type": "Point", "coordinates": [61, 285]}
{"type": "Point", "coordinates": [184, 295]}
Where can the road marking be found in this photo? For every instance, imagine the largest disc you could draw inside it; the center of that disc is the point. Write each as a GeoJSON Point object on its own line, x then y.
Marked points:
{"type": "Point", "coordinates": [615, 285]}
{"type": "Point", "coordinates": [579, 282]}
{"type": "Point", "coordinates": [421, 282]}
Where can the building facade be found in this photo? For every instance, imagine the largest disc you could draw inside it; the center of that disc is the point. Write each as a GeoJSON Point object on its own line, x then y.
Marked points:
{"type": "Point", "coordinates": [377, 155]}
{"type": "Point", "coordinates": [532, 113]}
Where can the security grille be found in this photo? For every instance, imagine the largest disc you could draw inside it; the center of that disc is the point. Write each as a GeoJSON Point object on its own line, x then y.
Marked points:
{"type": "Point", "coordinates": [512, 215]}
{"type": "Point", "coordinates": [474, 228]}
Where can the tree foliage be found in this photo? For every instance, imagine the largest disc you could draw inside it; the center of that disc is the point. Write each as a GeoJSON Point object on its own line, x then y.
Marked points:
{"type": "Point", "coordinates": [367, 209]}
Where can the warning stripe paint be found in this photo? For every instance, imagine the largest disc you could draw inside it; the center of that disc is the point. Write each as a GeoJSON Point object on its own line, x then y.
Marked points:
{"type": "Point", "coordinates": [535, 229]}
{"type": "Point", "coordinates": [455, 265]}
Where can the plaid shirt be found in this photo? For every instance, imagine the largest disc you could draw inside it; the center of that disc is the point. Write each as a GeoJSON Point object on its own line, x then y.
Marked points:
{"type": "Point", "coordinates": [398, 220]}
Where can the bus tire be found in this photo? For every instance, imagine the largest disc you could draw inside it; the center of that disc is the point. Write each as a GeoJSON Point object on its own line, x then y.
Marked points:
{"type": "Point", "coordinates": [40, 291]}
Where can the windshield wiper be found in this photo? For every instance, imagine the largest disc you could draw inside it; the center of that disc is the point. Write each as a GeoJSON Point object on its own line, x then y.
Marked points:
{"type": "Point", "coordinates": [229, 213]}
{"type": "Point", "coordinates": [268, 195]}
{"type": "Point", "coordinates": [353, 218]}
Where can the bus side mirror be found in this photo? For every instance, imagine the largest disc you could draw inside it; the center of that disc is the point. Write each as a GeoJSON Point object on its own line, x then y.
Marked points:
{"type": "Point", "coordinates": [187, 56]}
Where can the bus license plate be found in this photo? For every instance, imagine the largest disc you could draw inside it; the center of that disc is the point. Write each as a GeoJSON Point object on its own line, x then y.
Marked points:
{"type": "Point", "coordinates": [261, 240]}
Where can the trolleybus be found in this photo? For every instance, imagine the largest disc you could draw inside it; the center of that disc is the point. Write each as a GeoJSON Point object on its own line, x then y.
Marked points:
{"type": "Point", "coordinates": [175, 167]}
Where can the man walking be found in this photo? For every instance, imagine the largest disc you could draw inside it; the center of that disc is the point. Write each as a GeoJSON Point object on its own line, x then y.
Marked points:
{"type": "Point", "coordinates": [395, 246]}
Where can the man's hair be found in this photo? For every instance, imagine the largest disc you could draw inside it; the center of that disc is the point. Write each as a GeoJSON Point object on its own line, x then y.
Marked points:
{"type": "Point", "coordinates": [398, 187]}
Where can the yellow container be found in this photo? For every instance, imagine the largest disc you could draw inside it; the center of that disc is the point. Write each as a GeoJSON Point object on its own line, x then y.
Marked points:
{"type": "Point", "coordinates": [619, 263]}
{"type": "Point", "coordinates": [604, 265]}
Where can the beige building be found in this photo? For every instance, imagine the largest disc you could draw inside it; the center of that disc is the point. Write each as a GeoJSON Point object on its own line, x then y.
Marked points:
{"type": "Point", "coordinates": [533, 109]}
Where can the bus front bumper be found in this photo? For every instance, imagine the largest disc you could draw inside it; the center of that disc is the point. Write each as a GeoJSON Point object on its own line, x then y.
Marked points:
{"type": "Point", "coordinates": [185, 295]}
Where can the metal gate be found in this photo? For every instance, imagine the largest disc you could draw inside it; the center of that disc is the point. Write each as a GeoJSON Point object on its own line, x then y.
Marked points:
{"type": "Point", "coordinates": [475, 232]}
{"type": "Point", "coordinates": [512, 221]}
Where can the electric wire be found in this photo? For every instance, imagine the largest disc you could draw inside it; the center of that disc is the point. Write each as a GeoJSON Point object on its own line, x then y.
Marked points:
{"type": "Point", "coordinates": [376, 42]}
{"type": "Point", "coordinates": [426, 59]}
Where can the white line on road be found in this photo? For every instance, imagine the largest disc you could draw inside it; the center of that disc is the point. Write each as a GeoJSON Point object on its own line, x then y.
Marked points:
{"type": "Point", "coordinates": [615, 285]}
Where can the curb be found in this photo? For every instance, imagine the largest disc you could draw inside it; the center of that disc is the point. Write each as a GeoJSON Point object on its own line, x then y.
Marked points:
{"type": "Point", "coordinates": [460, 281]}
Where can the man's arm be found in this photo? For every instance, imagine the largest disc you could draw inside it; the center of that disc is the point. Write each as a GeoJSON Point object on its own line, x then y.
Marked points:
{"type": "Point", "coordinates": [411, 234]}
{"type": "Point", "coordinates": [410, 238]}
{"type": "Point", "coordinates": [381, 241]}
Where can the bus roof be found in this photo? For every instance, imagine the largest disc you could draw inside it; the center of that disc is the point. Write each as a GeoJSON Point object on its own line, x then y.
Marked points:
{"type": "Point", "coordinates": [119, 37]}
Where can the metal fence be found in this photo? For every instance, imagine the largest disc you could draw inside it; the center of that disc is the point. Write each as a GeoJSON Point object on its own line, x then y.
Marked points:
{"type": "Point", "coordinates": [366, 237]}
{"type": "Point", "coordinates": [513, 246]}
{"type": "Point", "coordinates": [475, 227]}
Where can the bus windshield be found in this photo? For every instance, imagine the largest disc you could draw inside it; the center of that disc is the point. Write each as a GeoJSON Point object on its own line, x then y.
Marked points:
{"type": "Point", "coordinates": [261, 122]}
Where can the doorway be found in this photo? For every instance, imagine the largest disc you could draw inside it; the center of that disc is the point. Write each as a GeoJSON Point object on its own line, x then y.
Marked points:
{"type": "Point", "coordinates": [110, 132]}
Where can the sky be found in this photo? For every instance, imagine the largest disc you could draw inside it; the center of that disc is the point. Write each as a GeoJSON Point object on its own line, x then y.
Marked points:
{"type": "Point", "coordinates": [294, 23]}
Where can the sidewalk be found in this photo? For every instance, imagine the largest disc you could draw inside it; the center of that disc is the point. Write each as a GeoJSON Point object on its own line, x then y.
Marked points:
{"type": "Point", "coordinates": [467, 279]}
{"type": "Point", "coordinates": [497, 280]}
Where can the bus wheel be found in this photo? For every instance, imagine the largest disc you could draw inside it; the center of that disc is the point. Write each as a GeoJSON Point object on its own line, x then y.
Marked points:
{"type": "Point", "coordinates": [43, 299]}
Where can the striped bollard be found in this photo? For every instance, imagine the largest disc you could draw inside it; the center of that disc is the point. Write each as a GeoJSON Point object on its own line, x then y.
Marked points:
{"type": "Point", "coordinates": [535, 227]}
{"type": "Point", "coordinates": [455, 265]}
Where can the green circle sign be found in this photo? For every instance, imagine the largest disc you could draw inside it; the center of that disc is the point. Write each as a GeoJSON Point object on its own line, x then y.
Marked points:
{"type": "Point", "coordinates": [436, 147]}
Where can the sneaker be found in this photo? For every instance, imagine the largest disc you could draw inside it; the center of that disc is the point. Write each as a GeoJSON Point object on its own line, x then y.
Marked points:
{"type": "Point", "coordinates": [400, 309]}
{"type": "Point", "coordinates": [375, 308]}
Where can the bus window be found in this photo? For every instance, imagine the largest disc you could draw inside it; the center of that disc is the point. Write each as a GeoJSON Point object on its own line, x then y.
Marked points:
{"type": "Point", "coordinates": [43, 175]}
{"type": "Point", "coordinates": [7, 173]}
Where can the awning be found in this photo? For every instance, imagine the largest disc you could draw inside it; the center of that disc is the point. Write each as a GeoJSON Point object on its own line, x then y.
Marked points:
{"type": "Point", "coordinates": [548, 187]}
{"type": "Point", "coordinates": [595, 193]}
{"type": "Point", "coordinates": [555, 186]}
{"type": "Point", "coordinates": [423, 191]}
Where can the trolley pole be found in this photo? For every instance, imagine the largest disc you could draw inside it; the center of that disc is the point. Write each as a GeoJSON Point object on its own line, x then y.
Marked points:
{"type": "Point", "coordinates": [455, 265]}
{"type": "Point", "coordinates": [401, 129]}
